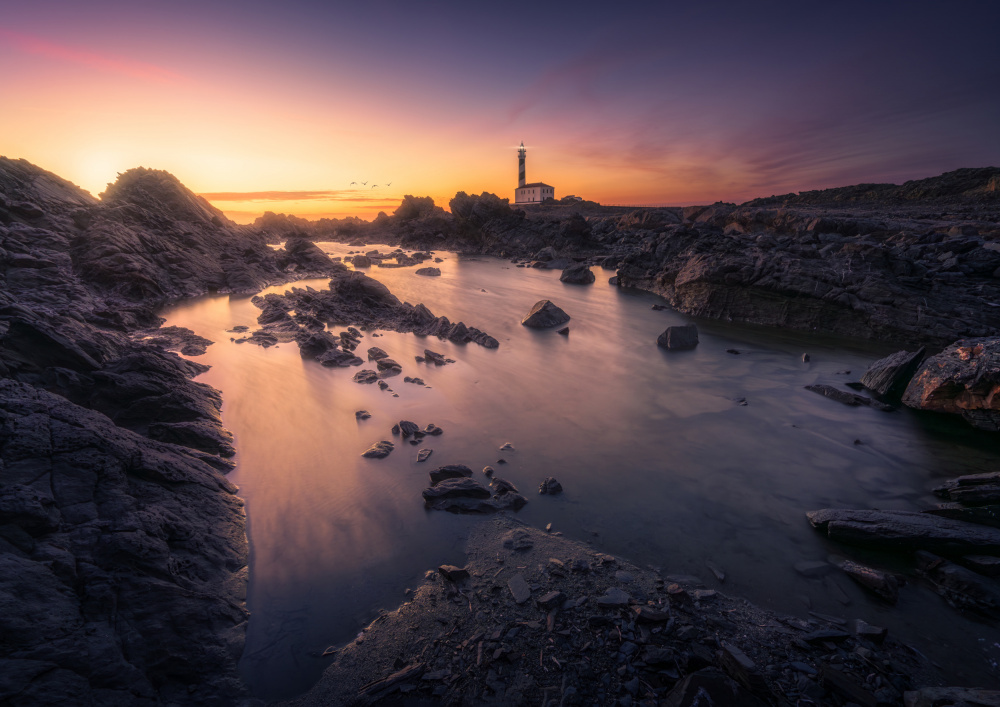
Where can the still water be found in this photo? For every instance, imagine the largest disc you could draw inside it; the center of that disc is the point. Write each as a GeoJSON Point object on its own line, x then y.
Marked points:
{"type": "Point", "coordinates": [658, 461]}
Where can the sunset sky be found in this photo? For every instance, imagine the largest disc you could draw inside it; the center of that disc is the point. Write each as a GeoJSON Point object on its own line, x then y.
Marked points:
{"type": "Point", "coordinates": [280, 106]}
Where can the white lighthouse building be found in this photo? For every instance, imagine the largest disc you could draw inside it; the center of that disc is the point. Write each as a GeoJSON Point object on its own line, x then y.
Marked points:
{"type": "Point", "coordinates": [530, 193]}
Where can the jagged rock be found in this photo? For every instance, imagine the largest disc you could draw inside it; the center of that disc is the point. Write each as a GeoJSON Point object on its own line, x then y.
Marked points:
{"type": "Point", "coordinates": [376, 354]}
{"type": "Point", "coordinates": [544, 314]}
{"type": "Point", "coordinates": [882, 584]}
{"type": "Point", "coordinates": [502, 486]}
{"type": "Point", "coordinates": [577, 274]}
{"type": "Point", "coordinates": [550, 486]}
{"type": "Point", "coordinates": [424, 454]}
{"type": "Point", "coordinates": [842, 396]}
{"type": "Point", "coordinates": [379, 450]}
{"type": "Point", "coordinates": [963, 379]}
{"type": "Point", "coordinates": [453, 573]}
{"type": "Point", "coordinates": [365, 376]}
{"type": "Point", "coordinates": [456, 488]}
{"type": "Point", "coordinates": [435, 358]}
{"type": "Point", "coordinates": [407, 428]}
{"type": "Point", "coordinates": [961, 587]}
{"type": "Point", "coordinates": [432, 430]}
{"type": "Point", "coordinates": [889, 376]}
{"type": "Point", "coordinates": [906, 531]}
{"type": "Point", "coordinates": [972, 489]}
{"type": "Point", "coordinates": [449, 471]}
{"type": "Point", "coordinates": [175, 338]}
{"type": "Point", "coordinates": [429, 272]}
{"type": "Point", "coordinates": [678, 338]}
{"type": "Point", "coordinates": [387, 366]}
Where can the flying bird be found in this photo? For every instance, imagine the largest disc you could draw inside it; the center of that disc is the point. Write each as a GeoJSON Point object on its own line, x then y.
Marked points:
{"type": "Point", "coordinates": [389, 184]}
{"type": "Point", "coordinates": [353, 183]}
{"type": "Point", "coordinates": [365, 183]}
{"type": "Point", "coordinates": [374, 185]}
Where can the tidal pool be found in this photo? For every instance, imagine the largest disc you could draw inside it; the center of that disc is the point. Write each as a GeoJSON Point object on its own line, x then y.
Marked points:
{"type": "Point", "coordinates": [658, 460]}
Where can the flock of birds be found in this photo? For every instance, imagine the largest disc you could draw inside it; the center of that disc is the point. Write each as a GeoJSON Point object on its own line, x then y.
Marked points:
{"type": "Point", "coordinates": [366, 184]}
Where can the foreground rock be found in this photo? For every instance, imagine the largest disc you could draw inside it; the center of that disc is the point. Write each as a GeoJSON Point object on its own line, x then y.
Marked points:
{"type": "Point", "coordinates": [678, 338]}
{"type": "Point", "coordinates": [577, 274]}
{"type": "Point", "coordinates": [906, 531]}
{"type": "Point", "coordinates": [453, 491]}
{"type": "Point", "coordinates": [544, 314]}
{"type": "Point", "coordinates": [889, 376]}
{"type": "Point", "coordinates": [525, 628]}
{"type": "Point", "coordinates": [963, 379]}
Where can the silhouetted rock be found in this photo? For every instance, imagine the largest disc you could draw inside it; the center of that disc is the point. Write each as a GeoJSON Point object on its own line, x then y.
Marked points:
{"type": "Point", "coordinates": [889, 376]}
{"type": "Point", "coordinates": [678, 338]}
{"type": "Point", "coordinates": [544, 314]}
{"type": "Point", "coordinates": [431, 272]}
{"type": "Point", "coordinates": [577, 274]}
{"type": "Point", "coordinates": [379, 450]}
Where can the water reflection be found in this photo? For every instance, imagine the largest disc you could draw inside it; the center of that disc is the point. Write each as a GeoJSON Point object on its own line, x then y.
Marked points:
{"type": "Point", "coordinates": [658, 461]}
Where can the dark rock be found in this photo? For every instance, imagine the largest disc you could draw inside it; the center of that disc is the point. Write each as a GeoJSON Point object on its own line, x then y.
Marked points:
{"type": "Point", "coordinates": [551, 600]}
{"type": "Point", "coordinates": [577, 274]}
{"type": "Point", "coordinates": [424, 454]}
{"type": "Point", "coordinates": [544, 314]}
{"type": "Point", "coordinates": [519, 589]}
{"type": "Point", "coordinates": [842, 396]}
{"type": "Point", "coordinates": [456, 488]}
{"type": "Point", "coordinates": [614, 597]}
{"type": "Point", "coordinates": [488, 471]}
{"type": "Point", "coordinates": [952, 697]}
{"type": "Point", "coordinates": [863, 629]}
{"type": "Point", "coordinates": [450, 471]}
{"type": "Point", "coordinates": [882, 584]}
{"type": "Point", "coordinates": [961, 587]}
{"type": "Point", "coordinates": [379, 450]}
{"type": "Point", "coordinates": [678, 338]}
{"type": "Point", "coordinates": [550, 486]}
{"type": "Point", "coordinates": [502, 486]}
{"type": "Point", "coordinates": [518, 540]}
{"type": "Point", "coordinates": [376, 354]}
{"type": "Point", "coordinates": [906, 531]}
{"type": "Point", "coordinates": [388, 366]}
{"type": "Point", "coordinates": [981, 564]}
{"type": "Point", "coordinates": [805, 358]}
{"type": "Point", "coordinates": [889, 376]}
{"type": "Point", "coordinates": [972, 489]}
{"type": "Point", "coordinates": [432, 430]}
{"type": "Point", "coordinates": [407, 428]}
{"type": "Point", "coordinates": [365, 376]}
{"type": "Point", "coordinates": [435, 358]}
{"type": "Point", "coordinates": [430, 272]}
{"type": "Point", "coordinates": [453, 573]}
{"type": "Point", "coordinates": [564, 331]}
{"type": "Point", "coordinates": [362, 414]}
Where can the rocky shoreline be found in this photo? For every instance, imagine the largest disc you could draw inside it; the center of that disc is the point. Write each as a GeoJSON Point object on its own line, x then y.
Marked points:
{"type": "Point", "coordinates": [534, 618]}
{"type": "Point", "coordinates": [123, 548]}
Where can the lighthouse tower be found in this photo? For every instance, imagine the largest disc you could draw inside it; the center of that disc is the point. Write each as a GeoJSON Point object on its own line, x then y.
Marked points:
{"type": "Point", "coordinates": [520, 165]}
{"type": "Point", "coordinates": [536, 192]}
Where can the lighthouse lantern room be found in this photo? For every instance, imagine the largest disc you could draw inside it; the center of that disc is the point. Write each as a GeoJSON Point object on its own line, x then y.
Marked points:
{"type": "Point", "coordinates": [530, 193]}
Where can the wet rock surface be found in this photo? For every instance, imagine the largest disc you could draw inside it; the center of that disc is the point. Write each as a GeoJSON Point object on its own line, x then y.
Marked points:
{"type": "Point", "coordinates": [678, 338]}
{"type": "Point", "coordinates": [522, 629]}
{"type": "Point", "coordinates": [963, 379]}
{"type": "Point", "coordinates": [544, 314]}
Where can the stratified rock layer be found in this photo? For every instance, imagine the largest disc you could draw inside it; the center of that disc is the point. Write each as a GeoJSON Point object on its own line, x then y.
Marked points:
{"type": "Point", "coordinates": [963, 379]}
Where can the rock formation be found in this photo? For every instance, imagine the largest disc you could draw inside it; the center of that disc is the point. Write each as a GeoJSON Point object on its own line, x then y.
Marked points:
{"type": "Point", "coordinates": [544, 314]}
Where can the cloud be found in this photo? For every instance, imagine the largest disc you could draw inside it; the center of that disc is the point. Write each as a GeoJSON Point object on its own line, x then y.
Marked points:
{"type": "Point", "coordinates": [85, 57]}
{"type": "Point", "coordinates": [337, 195]}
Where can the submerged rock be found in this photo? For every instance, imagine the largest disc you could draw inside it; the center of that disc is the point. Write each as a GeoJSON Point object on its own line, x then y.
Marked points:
{"type": "Point", "coordinates": [678, 338]}
{"type": "Point", "coordinates": [577, 274]}
{"type": "Point", "coordinates": [544, 314]}
{"type": "Point", "coordinates": [449, 471]}
{"type": "Point", "coordinates": [550, 486]}
{"type": "Point", "coordinates": [365, 376]}
{"type": "Point", "coordinates": [852, 399]}
{"type": "Point", "coordinates": [882, 584]}
{"type": "Point", "coordinates": [379, 450]}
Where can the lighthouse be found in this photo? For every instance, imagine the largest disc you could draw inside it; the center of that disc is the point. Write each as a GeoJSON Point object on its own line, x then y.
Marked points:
{"type": "Point", "coordinates": [533, 193]}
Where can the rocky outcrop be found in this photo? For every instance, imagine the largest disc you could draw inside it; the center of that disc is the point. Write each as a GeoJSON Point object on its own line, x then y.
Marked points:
{"type": "Point", "coordinates": [544, 314]}
{"type": "Point", "coordinates": [353, 297]}
{"type": "Point", "coordinates": [122, 562]}
{"type": "Point", "coordinates": [122, 547]}
{"type": "Point", "coordinates": [963, 379]}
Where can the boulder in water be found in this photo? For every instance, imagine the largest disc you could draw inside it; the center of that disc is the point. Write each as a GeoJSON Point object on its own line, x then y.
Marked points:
{"type": "Point", "coordinates": [678, 338]}
{"type": "Point", "coordinates": [545, 314]}
{"type": "Point", "coordinates": [889, 376]}
{"type": "Point", "coordinates": [577, 274]}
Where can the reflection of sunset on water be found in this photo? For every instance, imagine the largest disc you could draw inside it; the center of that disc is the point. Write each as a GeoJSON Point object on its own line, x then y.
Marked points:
{"type": "Point", "coordinates": [654, 453]}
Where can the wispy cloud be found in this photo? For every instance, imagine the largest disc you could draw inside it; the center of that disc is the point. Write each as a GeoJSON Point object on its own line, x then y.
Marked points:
{"type": "Point", "coordinates": [336, 195]}
{"type": "Point", "coordinates": [96, 60]}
